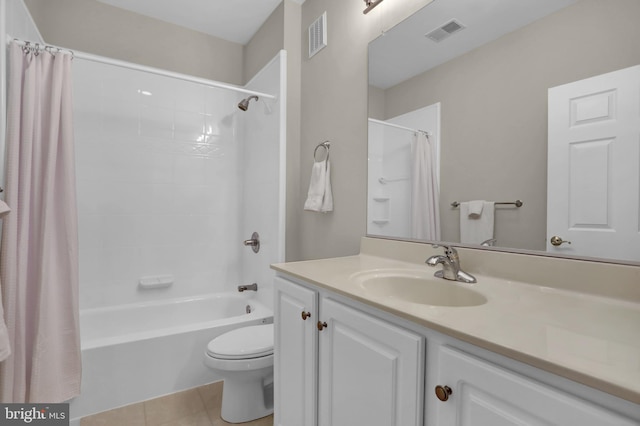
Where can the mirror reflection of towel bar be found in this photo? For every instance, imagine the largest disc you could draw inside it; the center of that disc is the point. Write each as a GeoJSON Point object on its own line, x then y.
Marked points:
{"type": "Point", "coordinates": [517, 203]}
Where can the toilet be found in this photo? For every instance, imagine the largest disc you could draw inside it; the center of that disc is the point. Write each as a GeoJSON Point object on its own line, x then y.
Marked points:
{"type": "Point", "coordinates": [244, 359]}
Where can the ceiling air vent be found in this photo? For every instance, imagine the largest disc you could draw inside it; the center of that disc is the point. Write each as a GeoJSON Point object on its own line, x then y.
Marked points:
{"type": "Point", "coordinates": [445, 30]}
{"type": "Point", "coordinates": [318, 34]}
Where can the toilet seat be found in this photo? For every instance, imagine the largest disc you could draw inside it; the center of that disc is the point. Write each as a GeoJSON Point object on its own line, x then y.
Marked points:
{"type": "Point", "coordinates": [243, 343]}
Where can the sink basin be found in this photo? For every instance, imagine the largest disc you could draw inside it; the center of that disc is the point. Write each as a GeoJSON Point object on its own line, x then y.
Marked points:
{"type": "Point", "coordinates": [415, 287]}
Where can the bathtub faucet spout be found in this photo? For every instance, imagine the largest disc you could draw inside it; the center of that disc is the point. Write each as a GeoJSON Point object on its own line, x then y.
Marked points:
{"type": "Point", "coordinates": [252, 287]}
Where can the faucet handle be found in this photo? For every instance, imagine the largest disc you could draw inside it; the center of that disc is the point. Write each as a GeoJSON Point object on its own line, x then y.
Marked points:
{"type": "Point", "coordinates": [450, 252]}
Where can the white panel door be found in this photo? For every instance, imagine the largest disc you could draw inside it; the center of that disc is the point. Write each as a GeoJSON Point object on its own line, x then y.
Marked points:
{"type": "Point", "coordinates": [593, 184]}
{"type": "Point", "coordinates": [370, 372]}
{"type": "Point", "coordinates": [295, 354]}
{"type": "Point", "coordinates": [483, 394]}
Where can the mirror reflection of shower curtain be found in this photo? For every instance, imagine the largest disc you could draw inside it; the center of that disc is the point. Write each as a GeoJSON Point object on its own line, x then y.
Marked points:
{"type": "Point", "coordinates": [425, 208]}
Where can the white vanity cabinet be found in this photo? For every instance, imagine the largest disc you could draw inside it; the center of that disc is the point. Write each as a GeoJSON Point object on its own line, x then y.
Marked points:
{"type": "Point", "coordinates": [338, 366]}
{"type": "Point", "coordinates": [295, 354]}
{"type": "Point", "coordinates": [474, 392]}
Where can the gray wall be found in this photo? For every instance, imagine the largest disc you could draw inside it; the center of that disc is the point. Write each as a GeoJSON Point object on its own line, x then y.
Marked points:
{"type": "Point", "coordinates": [94, 27]}
{"type": "Point", "coordinates": [265, 43]}
{"type": "Point", "coordinates": [293, 46]}
{"type": "Point", "coordinates": [334, 107]}
{"type": "Point", "coordinates": [494, 109]}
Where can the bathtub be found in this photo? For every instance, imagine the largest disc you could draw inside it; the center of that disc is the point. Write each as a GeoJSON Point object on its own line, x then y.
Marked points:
{"type": "Point", "coordinates": [132, 353]}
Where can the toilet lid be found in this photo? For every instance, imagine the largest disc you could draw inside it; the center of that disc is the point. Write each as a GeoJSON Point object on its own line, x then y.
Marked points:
{"type": "Point", "coordinates": [242, 343]}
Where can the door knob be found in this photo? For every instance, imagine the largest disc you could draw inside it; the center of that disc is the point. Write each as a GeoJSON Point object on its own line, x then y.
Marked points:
{"type": "Point", "coordinates": [443, 392]}
{"type": "Point", "coordinates": [305, 315]}
{"type": "Point", "coordinates": [557, 241]}
{"type": "Point", "coordinates": [321, 325]}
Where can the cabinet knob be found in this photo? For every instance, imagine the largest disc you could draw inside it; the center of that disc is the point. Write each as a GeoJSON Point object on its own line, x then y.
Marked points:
{"type": "Point", "coordinates": [321, 325]}
{"type": "Point", "coordinates": [443, 392]}
{"type": "Point", "coordinates": [305, 315]}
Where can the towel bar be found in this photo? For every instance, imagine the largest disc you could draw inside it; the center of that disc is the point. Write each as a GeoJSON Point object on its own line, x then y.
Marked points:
{"type": "Point", "coordinates": [326, 145]}
{"type": "Point", "coordinates": [517, 203]}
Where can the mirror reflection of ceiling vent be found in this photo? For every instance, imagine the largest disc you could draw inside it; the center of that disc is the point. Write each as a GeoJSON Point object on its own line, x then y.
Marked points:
{"type": "Point", "coordinates": [444, 31]}
{"type": "Point", "coordinates": [318, 34]}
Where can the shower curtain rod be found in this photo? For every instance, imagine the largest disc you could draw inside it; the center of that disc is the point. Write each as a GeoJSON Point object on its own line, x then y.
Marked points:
{"type": "Point", "coordinates": [144, 68]}
{"type": "Point", "coordinates": [397, 126]}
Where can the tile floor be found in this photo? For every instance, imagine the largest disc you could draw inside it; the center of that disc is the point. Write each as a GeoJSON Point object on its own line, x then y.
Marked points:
{"type": "Point", "coordinates": [193, 407]}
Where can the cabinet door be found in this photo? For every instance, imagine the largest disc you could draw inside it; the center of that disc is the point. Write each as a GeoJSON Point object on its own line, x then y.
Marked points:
{"type": "Point", "coordinates": [370, 372]}
{"type": "Point", "coordinates": [484, 394]}
{"type": "Point", "coordinates": [295, 354]}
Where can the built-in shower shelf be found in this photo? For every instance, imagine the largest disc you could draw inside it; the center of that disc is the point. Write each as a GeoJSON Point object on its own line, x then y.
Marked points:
{"type": "Point", "coordinates": [155, 281]}
{"type": "Point", "coordinates": [380, 221]}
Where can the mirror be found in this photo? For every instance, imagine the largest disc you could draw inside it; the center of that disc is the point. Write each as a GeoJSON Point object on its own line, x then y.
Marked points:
{"type": "Point", "coordinates": [476, 77]}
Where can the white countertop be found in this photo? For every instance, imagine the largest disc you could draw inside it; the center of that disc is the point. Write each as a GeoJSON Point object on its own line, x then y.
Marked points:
{"type": "Point", "coordinates": [591, 339]}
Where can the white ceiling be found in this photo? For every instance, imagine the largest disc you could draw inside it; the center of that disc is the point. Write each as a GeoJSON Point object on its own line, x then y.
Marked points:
{"type": "Point", "coordinates": [233, 20]}
{"type": "Point", "coordinates": [404, 51]}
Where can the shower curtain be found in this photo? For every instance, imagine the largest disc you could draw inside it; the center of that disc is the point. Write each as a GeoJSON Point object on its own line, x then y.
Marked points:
{"type": "Point", "coordinates": [425, 205]}
{"type": "Point", "coordinates": [39, 252]}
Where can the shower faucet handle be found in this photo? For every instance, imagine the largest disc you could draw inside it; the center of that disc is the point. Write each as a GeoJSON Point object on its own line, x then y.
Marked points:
{"type": "Point", "coordinates": [254, 242]}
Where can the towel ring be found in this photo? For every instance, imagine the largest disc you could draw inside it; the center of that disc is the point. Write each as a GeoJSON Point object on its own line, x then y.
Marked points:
{"type": "Point", "coordinates": [326, 145]}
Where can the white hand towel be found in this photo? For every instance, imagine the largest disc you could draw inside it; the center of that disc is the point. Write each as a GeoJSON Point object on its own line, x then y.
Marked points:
{"type": "Point", "coordinates": [475, 208]}
{"type": "Point", "coordinates": [327, 200]}
{"type": "Point", "coordinates": [476, 230]}
{"type": "Point", "coordinates": [319, 196]}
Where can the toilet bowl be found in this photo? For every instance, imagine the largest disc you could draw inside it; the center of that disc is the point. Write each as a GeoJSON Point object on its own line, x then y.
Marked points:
{"type": "Point", "coordinates": [244, 359]}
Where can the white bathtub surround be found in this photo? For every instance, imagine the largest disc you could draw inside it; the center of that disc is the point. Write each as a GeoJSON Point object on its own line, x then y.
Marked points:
{"type": "Point", "coordinates": [39, 260]}
{"type": "Point", "coordinates": [140, 351]}
{"type": "Point", "coordinates": [172, 178]}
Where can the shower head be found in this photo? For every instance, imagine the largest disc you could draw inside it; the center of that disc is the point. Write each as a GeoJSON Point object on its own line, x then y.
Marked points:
{"type": "Point", "coordinates": [244, 104]}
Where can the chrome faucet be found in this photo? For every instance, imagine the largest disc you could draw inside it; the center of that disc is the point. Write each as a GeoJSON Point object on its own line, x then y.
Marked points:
{"type": "Point", "coordinates": [450, 266]}
{"type": "Point", "coordinates": [252, 287]}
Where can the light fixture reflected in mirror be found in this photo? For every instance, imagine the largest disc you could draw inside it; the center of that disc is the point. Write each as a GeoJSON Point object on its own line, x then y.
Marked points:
{"type": "Point", "coordinates": [370, 5]}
